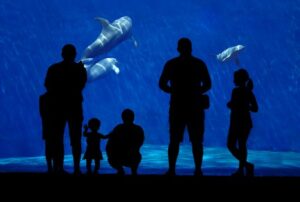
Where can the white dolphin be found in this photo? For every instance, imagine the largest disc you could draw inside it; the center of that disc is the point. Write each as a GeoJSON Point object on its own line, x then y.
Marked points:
{"type": "Point", "coordinates": [231, 54]}
{"type": "Point", "coordinates": [111, 35]}
{"type": "Point", "coordinates": [99, 69]}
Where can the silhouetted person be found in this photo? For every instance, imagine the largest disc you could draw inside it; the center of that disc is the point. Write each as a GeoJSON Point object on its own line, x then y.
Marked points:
{"type": "Point", "coordinates": [123, 146]}
{"type": "Point", "coordinates": [64, 83]}
{"type": "Point", "coordinates": [93, 151]}
{"type": "Point", "coordinates": [47, 131]}
{"type": "Point", "coordinates": [186, 78]}
{"type": "Point", "coordinates": [242, 102]}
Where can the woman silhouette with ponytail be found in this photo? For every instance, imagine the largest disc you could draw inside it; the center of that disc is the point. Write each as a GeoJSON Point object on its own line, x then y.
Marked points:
{"type": "Point", "coordinates": [242, 102]}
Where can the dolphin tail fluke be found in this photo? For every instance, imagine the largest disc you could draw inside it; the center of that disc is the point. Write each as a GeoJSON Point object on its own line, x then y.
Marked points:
{"type": "Point", "coordinates": [116, 69]}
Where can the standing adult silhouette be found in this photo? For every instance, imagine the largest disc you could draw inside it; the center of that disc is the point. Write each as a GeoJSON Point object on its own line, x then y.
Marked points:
{"type": "Point", "coordinates": [64, 83]}
{"type": "Point", "coordinates": [186, 78]}
{"type": "Point", "coordinates": [242, 102]}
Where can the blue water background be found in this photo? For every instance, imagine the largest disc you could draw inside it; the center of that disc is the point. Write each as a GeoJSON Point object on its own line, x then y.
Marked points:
{"type": "Point", "coordinates": [32, 33]}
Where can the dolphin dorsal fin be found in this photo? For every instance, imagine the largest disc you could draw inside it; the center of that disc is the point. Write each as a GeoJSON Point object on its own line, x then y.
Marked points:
{"type": "Point", "coordinates": [104, 22]}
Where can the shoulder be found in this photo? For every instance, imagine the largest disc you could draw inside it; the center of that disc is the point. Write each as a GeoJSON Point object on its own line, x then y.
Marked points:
{"type": "Point", "coordinates": [172, 61]}
{"type": "Point", "coordinates": [139, 128]}
{"type": "Point", "coordinates": [198, 61]}
{"type": "Point", "coordinates": [236, 90]}
{"type": "Point", "coordinates": [54, 66]}
{"type": "Point", "coordinates": [118, 127]}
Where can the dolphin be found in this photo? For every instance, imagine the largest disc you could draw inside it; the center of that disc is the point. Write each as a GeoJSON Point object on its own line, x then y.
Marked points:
{"type": "Point", "coordinates": [111, 35]}
{"type": "Point", "coordinates": [231, 54]}
{"type": "Point", "coordinates": [102, 67]}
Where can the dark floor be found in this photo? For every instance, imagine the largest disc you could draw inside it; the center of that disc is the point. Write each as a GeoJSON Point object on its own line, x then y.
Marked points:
{"type": "Point", "coordinates": [148, 186]}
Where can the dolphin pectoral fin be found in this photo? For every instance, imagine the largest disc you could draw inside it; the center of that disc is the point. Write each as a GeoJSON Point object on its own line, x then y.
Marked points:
{"type": "Point", "coordinates": [104, 22]}
{"type": "Point", "coordinates": [116, 69]}
{"type": "Point", "coordinates": [135, 43]}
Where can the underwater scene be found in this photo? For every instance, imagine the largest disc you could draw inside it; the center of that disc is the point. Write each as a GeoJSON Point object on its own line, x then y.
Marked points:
{"type": "Point", "coordinates": [265, 35]}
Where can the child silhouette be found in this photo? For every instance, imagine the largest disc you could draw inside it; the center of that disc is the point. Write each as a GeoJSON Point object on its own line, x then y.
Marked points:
{"type": "Point", "coordinates": [93, 150]}
{"type": "Point", "coordinates": [242, 102]}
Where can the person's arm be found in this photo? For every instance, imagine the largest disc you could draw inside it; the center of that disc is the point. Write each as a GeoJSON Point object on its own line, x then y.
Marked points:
{"type": "Point", "coordinates": [49, 80]}
{"type": "Point", "coordinates": [105, 136]}
{"type": "Point", "coordinates": [253, 103]}
{"type": "Point", "coordinates": [164, 79]}
{"type": "Point", "coordinates": [229, 104]}
{"type": "Point", "coordinates": [206, 81]}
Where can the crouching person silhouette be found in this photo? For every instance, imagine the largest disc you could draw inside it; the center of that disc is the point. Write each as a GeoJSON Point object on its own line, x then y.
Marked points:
{"type": "Point", "coordinates": [124, 143]}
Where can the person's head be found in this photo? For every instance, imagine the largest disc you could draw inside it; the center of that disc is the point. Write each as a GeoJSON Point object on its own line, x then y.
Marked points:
{"type": "Point", "coordinates": [128, 116]}
{"type": "Point", "coordinates": [184, 46]}
{"type": "Point", "coordinates": [94, 124]}
{"type": "Point", "coordinates": [241, 77]}
{"type": "Point", "coordinates": [68, 52]}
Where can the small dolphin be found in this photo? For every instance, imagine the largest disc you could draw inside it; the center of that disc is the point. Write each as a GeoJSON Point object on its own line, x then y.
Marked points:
{"type": "Point", "coordinates": [111, 35]}
{"type": "Point", "coordinates": [230, 54]}
{"type": "Point", "coordinates": [96, 70]}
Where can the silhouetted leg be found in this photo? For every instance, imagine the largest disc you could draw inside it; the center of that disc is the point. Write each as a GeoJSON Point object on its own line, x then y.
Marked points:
{"type": "Point", "coordinates": [231, 144]}
{"type": "Point", "coordinates": [198, 156]}
{"type": "Point", "coordinates": [196, 132]}
{"type": "Point", "coordinates": [58, 129]}
{"type": "Point", "coordinates": [244, 153]}
{"type": "Point", "coordinates": [173, 151]}
{"type": "Point", "coordinates": [135, 164]}
{"type": "Point", "coordinates": [177, 125]}
{"type": "Point", "coordinates": [232, 147]}
{"type": "Point", "coordinates": [49, 155]}
{"type": "Point", "coordinates": [75, 126]}
{"type": "Point", "coordinates": [59, 158]}
{"type": "Point", "coordinates": [115, 163]}
{"type": "Point", "coordinates": [58, 152]}
{"type": "Point", "coordinates": [97, 165]}
{"type": "Point", "coordinates": [89, 166]}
